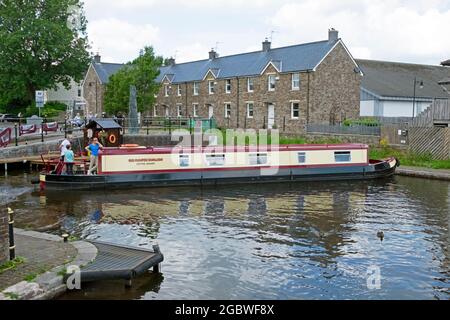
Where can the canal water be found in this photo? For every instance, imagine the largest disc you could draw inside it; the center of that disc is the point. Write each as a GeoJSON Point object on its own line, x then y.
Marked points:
{"type": "Point", "coordinates": [274, 241]}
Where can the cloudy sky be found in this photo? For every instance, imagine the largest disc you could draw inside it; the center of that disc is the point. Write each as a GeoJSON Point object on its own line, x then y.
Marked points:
{"type": "Point", "coordinates": [398, 30]}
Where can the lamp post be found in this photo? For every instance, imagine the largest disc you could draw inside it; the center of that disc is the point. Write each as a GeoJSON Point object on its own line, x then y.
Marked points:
{"type": "Point", "coordinates": [420, 83]}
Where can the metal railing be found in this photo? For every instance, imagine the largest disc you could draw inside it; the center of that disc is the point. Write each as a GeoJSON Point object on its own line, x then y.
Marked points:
{"type": "Point", "coordinates": [340, 129]}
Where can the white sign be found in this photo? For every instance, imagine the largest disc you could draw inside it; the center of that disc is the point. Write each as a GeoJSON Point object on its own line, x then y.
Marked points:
{"type": "Point", "coordinates": [40, 99]}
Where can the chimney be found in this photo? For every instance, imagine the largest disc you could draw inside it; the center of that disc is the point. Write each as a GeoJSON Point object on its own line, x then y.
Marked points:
{"type": "Point", "coordinates": [170, 61]}
{"type": "Point", "coordinates": [97, 58]}
{"type": "Point", "coordinates": [445, 63]}
{"type": "Point", "coordinates": [333, 35]}
{"type": "Point", "coordinates": [213, 54]}
{"type": "Point", "coordinates": [266, 45]}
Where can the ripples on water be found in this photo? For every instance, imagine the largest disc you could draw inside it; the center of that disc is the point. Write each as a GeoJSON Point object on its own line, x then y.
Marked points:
{"type": "Point", "coordinates": [276, 241]}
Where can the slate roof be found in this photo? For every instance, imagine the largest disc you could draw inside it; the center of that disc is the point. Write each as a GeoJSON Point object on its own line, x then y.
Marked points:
{"type": "Point", "coordinates": [106, 70]}
{"type": "Point", "coordinates": [287, 59]}
{"type": "Point", "coordinates": [394, 79]}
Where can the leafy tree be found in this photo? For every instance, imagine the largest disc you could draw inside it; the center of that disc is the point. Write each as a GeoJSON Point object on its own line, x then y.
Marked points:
{"type": "Point", "coordinates": [141, 72]}
{"type": "Point", "coordinates": [42, 43]}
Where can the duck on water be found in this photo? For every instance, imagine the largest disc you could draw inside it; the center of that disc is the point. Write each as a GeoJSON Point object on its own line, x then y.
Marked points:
{"type": "Point", "coordinates": [135, 166]}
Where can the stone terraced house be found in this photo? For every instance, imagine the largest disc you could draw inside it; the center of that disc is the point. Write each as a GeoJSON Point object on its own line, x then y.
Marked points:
{"type": "Point", "coordinates": [284, 88]}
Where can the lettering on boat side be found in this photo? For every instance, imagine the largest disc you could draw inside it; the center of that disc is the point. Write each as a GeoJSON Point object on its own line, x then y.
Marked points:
{"type": "Point", "coordinates": [146, 160]}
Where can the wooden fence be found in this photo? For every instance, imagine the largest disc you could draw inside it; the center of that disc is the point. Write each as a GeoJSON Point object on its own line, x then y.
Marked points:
{"type": "Point", "coordinates": [438, 112]}
{"type": "Point", "coordinates": [434, 141]}
{"type": "Point", "coordinates": [338, 129]}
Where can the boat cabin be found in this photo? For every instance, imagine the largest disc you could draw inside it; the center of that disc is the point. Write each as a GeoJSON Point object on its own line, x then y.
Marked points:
{"type": "Point", "coordinates": [108, 132]}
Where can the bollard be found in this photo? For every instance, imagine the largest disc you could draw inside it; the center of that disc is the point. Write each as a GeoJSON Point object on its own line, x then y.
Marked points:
{"type": "Point", "coordinates": [16, 134]}
{"type": "Point", "coordinates": [65, 237]}
{"type": "Point", "coordinates": [12, 247]}
{"type": "Point", "coordinates": [42, 131]}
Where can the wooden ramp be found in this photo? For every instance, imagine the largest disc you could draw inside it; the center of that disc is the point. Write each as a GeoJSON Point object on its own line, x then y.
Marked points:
{"type": "Point", "coordinates": [115, 262]}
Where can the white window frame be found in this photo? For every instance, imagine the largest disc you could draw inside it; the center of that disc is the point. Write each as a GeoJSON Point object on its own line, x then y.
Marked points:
{"type": "Point", "coordinates": [166, 90]}
{"type": "Point", "coordinates": [196, 88]}
{"type": "Point", "coordinates": [340, 153]}
{"type": "Point", "coordinates": [294, 87]}
{"type": "Point", "coordinates": [179, 90]}
{"type": "Point", "coordinates": [179, 110]}
{"type": "Point", "coordinates": [208, 157]}
{"type": "Point", "coordinates": [248, 110]}
{"type": "Point", "coordinates": [155, 111]}
{"type": "Point", "coordinates": [228, 86]}
{"type": "Point", "coordinates": [258, 157]}
{"type": "Point", "coordinates": [194, 110]}
{"type": "Point", "coordinates": [227, 106]}
{"type": "Point", "coordinates": [183, 164]}
{"type": "Point", "coordinates": [211, 87]}
{"type": "Point", "coordinates": [252, 80]}
{"type": "Point", "coordinates": [303, 155]}
{"type": "Point", "coordinates": [292, 110]}
{"type": "Point", "coordinates": [270, 76]}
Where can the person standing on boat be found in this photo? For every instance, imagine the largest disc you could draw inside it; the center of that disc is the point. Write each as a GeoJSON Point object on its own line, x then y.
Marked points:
{"type": "Point", "coordinates": [63, 147]}
{"type": "Point", "coordinates": [69, 159]}
{"type": "Point", "coordinates": [94, 148]}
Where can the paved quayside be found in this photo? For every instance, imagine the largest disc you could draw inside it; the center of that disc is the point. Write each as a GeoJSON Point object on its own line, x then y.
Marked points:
{"type": "Point", "coordinates": [42, 252]}
{"type": "Point", "coordinates": [428, 173]}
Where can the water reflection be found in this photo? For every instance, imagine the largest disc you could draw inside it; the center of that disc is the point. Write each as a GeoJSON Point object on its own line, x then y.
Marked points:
{"type": "Point", "coordinates": [274, 241]}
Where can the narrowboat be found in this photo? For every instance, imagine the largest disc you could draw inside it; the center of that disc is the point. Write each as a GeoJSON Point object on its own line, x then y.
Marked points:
{"type": "Point", "coordinates": [135, 166]}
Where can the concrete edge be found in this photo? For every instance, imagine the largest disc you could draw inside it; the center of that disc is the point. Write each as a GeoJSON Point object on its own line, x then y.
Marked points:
{"type": "Point", "coordinates": [50, 284]}
{"type": "Point", "coordinates": [423, 174]}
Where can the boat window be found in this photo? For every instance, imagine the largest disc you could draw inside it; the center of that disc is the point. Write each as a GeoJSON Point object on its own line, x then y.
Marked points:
{"type": "Point", "coordinates": [258, 159]}
{"type": "Point", "coordinates": [342, 156]}
{"type": "Point", "coordinates": [184, 160]}
{"type": "Point", "coordinates": [302, 157]}
{"type": "Point", "coordinates": [213, 160]}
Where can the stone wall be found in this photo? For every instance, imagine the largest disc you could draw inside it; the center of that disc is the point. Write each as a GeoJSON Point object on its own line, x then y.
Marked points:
{"type": "Point", "coordinates": [4, 236]}
{"type": "Point", "coordinates": [93, 92]}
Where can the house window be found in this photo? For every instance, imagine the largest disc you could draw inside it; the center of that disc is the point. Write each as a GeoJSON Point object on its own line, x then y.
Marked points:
{"type": "Point", "coordinates": [196, 88]}
{"type": "Point", "coordinates": [342, 156]}
{"type": "Point", "coordinates": [185, 160]}
{"type": "Point", "coordinates": [301, 157]}
{"type": "Point", "coordinates": [258, 159]}
{"type": "Point", "coordinates": [296, 81]}
{"type": "Point", "coordinates": [179, 90]}
{"type": "Point", "coordinates": [179, 111]}
{"type": "Point", "coordinates": [271, 82]}
{"type": "Point", "coordinates": [215, 160]}
{"type": "Point", "coordinates": [250, 85]}
{"type": "Point", "coordinates": [227, 110]}
{"type": "Point", "coordinates": [155, 111]}
{"type": "Point", "coordinates": [228, 86]}
{"type": "Point", "coordinates": [250, 110]}
{"type": "Point", "coordinates": [295, 110]}
{"type": "Point", "coordinates": [166, 91]}
{"type": "Point", "coordinates": [195, 110]}
{"type": "Point", "coordinates": [211, 87]}
{"type": "Point", "coordinates": [79, 92]}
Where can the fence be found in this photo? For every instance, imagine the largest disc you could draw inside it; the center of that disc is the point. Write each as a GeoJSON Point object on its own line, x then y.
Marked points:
{"type": "Point", "coordinates": [169, 124]}
{"type": "Point", "coordinates": [434, 141]}
{"type": "Point", "coordinates": [338, 129]}
{"type": "Point", "coordinates": [439, 111]}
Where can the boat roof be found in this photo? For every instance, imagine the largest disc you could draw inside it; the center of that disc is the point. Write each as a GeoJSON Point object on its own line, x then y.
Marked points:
{"type": "Point", "coordinates": [224, 149]}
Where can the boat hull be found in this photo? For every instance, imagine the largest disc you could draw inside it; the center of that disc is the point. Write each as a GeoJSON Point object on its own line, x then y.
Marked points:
{"type": "Point", "coordinates": [218, 177]}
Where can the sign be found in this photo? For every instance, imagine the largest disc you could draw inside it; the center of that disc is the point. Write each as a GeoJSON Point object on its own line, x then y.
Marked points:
{"type": "Point", "coordinates": [40, 99]}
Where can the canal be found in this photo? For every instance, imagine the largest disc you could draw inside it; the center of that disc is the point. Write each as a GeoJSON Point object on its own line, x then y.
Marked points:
{"type": "Point", "coordinates": [274, 241]}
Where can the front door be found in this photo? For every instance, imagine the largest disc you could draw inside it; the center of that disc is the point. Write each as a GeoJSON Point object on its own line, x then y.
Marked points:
{"type": "Point", "coordinates": [210, 111]}
{"type": "Point", "coordinates": [271, 116]}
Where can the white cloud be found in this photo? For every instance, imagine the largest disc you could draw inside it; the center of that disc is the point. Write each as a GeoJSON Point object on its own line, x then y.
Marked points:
{"type": "Point", "coordinates": [120, 39]}
{"type": "Point", "coordinates": [191, 52]}
{"type": "Point", "coordinates": [394, 30]}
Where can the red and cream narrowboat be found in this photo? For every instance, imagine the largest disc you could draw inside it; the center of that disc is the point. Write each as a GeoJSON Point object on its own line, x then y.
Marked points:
{"type": "Point", "coordinates": [141, 166]}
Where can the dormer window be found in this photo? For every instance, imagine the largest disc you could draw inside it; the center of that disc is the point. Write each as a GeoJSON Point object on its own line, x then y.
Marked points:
{"type": "Point", "coordinates": [211, 87]}
{"type": "Point", "coordinates": [272, 82]}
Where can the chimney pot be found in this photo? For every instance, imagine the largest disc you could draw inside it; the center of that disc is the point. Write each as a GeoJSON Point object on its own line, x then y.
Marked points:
{"type": "Point", "coordinates": [170, 61]}
{"type": "Point", "coordinates": [97, 58]}
{"type": "Point", "coordinates": [266, 45]}
{"type": "Point", "coordinates": [333, 35]}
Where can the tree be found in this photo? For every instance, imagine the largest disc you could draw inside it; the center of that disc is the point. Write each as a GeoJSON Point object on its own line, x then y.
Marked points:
{"type": "Point", "coordinates": [140, 72]}
{"type": "Point", "coordinates": [42, 43]}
